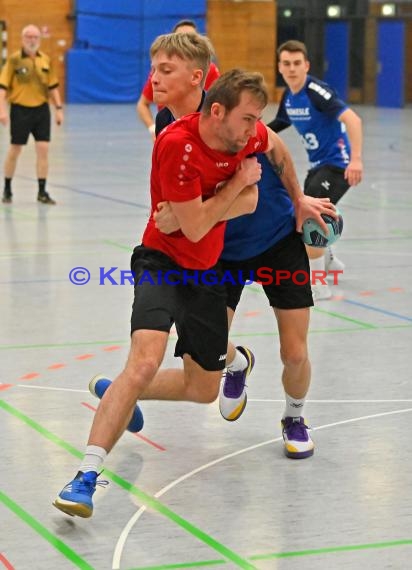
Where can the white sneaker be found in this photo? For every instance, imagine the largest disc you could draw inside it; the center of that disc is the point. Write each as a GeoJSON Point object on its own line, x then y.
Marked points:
{"type": "Point", "coordinates": [321, 292]}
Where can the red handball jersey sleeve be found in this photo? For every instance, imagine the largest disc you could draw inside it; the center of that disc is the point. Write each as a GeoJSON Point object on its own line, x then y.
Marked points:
{"type": "Point", "coordinates": [260, 143]}
{"type": "Point", "coordinates": [147, 90]}
{"type": "Point", "coordinates": [177, 164]}
{"type": "Point", "coordinates": [212, 75]}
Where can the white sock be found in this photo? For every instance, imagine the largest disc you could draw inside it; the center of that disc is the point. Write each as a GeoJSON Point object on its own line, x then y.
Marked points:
{"type": "Point", "coordinates": [317, 264]}
{"type": "Point", "coordinates": [329, 253]}
{"type": "Point", "coordinates": [238, 363]}
{"type": "Point", "coordinates": [294, 407]}
{"type": "Point", "coordinates": [93, 459]}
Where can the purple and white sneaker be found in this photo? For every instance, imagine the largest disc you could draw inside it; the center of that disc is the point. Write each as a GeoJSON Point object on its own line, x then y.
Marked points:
{"type": "Point", "coordinates": [232, 395]}
{"type": "Point", "coordinates": [298, 443]}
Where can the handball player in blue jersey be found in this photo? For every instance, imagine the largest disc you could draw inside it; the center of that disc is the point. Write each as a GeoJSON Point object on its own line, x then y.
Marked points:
{"type": "Point", "coordinates": [265, 239]}
{"type": "Point", "coordinates": [331, 133]}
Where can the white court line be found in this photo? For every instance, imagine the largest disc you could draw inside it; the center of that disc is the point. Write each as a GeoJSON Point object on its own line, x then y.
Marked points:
{"type": "Point", "coordinates": [402, 400]}
{"type": "Point", "coordinates": [250, 400]}
{"type": "Point", "coordinates": [118, 551]}
{"type": "Point", "coordinates": [52, 388]}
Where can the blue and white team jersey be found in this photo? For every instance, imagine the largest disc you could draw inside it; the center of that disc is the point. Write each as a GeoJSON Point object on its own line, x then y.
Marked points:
{"type": "Point", "coordinates": [252, 234]}
{"type": "Point", "coordinates": [314, 112]}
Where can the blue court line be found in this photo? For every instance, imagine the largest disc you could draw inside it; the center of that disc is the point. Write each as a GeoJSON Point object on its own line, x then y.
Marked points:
{"type": "Point", "coordinates": [377, 310]}
{"type": "Point", "coordinates": [94, 194]}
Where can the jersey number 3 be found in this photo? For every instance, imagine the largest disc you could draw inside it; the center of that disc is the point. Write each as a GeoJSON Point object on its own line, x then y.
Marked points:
{"type": "Point", "coordinates": [310, 142]}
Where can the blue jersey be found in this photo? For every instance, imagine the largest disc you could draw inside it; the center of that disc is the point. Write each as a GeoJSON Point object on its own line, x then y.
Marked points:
{"type": "Point", "coordinates": [314, 112]}
{"type": "Point", "coordinates": [252, 234]}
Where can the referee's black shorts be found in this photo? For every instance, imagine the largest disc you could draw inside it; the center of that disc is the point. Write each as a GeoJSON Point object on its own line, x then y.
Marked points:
{"type": "Point", "coordinates": [29, 120]}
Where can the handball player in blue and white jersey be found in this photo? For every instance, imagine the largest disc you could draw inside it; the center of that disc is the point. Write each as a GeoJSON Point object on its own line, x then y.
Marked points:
{"type": "Point", "coordinates": [331, 133]}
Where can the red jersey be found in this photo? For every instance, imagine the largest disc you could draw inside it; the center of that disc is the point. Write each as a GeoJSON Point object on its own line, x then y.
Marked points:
{"type": "Point", "coordinates": [183, 168]}
{"type": "Point", "coordinates": [211, 77]}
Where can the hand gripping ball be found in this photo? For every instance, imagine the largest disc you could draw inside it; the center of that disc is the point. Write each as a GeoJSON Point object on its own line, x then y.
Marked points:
{"type": "Point", "coordinates": [313, 235]}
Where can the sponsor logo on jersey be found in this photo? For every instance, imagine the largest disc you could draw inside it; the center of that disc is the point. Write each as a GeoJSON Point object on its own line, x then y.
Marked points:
{"type": "Point", "coordinates": [299, 112]}
{"type": "Point", "coordinates": [222, 164]}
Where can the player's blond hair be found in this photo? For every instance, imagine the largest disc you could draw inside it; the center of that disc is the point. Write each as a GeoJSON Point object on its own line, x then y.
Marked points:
{"type": "Point", "coordinates": [190, 47]}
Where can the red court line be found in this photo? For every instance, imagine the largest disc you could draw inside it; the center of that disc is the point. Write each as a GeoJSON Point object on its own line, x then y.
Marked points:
{"type": "Point", "coordinates": [56, 366]}
{"type": "Point", "coordinates": [5, 562]}
{"type": "Point", "coordinates": [86, 405]}
{"type": "Point", "coordinates": [5, 386]}
{"type": "Point", "coordinates": [396, 289]}
{"type": "Point", "coordinates": [84, 356]}
{"type": "Point", "coordinates": [29, 376]}
{"type": "Point", "coordinates": [139, 435]}
{"type": "Point", "coordinates": [367, 293]}
{"type": "Point", "coordinates": [111, 348]}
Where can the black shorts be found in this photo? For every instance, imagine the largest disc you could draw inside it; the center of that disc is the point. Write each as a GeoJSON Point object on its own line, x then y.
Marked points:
{"type": "Point", "coordinates": [271, 268]}
{"type": "Point", "coordinates": [326, 182]}
{"type": "Point", "coordinates": [165, 293]}
{"type": "Point", "coordinates": [26, 120]}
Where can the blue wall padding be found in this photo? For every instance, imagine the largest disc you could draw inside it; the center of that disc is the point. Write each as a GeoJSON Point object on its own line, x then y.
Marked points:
{"type": "Point", "coordinates": [179, 9]}
{"type": "Point", "coordinates": [110, 58]}
{"type": "Point", "coordinates": [100, 76]}
{"type": "Point", "coordinates": [119, 34]}
{"type": "Point", "coordinates": [112, 7]}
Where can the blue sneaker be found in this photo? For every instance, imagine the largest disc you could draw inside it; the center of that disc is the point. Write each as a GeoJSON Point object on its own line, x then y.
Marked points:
{"type": "Point", "coordinates": [98, 386]}
{"type": "Point", "coordinates": [76, 497]}
{"type": "Point", "coordinates": [232, 396]}
{"type": "Point", "coordinates": [298, 443]}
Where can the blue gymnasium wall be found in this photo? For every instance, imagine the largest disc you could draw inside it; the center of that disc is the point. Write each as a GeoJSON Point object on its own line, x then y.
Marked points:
{"type": "Point", "coordinates": [110, 59]}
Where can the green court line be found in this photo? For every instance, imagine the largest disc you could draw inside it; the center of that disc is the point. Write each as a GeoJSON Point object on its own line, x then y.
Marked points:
{"type": "Point", "coordinates": [237, 335]}
{"type": "Point", "coordinates": [44, 533]}
{"type": "Point", "coordinates": [118, 245]}
{"type": "Point", "coordinates": [19, 213]}
{"type": "Point", "coordinates": [145, 499]}
{"type": "Point", "coordinates": [331, 549]}
{"type": "Point", "coordinates": [331, 313]}
{"type": "Point", "coordinates": [345, 318]}
{"type": "Point", "coordinates": [404, 233]}
{"type": "Point", "coordinates": [311, 552]}
{"type": "Point", "coordinates": [39, 253]}
{"type": "Point", "coordinates": [182, 565]}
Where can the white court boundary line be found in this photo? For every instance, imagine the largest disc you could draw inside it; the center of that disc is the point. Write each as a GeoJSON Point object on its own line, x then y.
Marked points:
{"type": "Point", "coordinates": [250, 400]}
{"type": "Point", "coordinates": [118, 551]}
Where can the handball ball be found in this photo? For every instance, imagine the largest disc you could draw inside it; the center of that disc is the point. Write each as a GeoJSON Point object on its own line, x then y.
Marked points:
{"type": "Point", "coordinates": [313, 235]}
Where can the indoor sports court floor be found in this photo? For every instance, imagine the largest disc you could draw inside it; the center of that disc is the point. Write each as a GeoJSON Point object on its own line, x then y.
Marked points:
{"type": "Point", "coordinates": [193, 490]}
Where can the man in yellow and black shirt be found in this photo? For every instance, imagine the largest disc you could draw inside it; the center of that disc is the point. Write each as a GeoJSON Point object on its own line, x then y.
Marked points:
{"type": "Point", "coordinates": [28, 81]}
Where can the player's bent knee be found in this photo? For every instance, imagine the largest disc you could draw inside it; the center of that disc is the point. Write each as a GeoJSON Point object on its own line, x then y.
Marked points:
{"type": "Point", "coordinates": [294, 357]}
{"type": "Point", "coordinates": [142, 373]}
{"type": "Point", "coordinates": [203, 386]}
{"type": "Point", "coordinates": [209, 395]}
